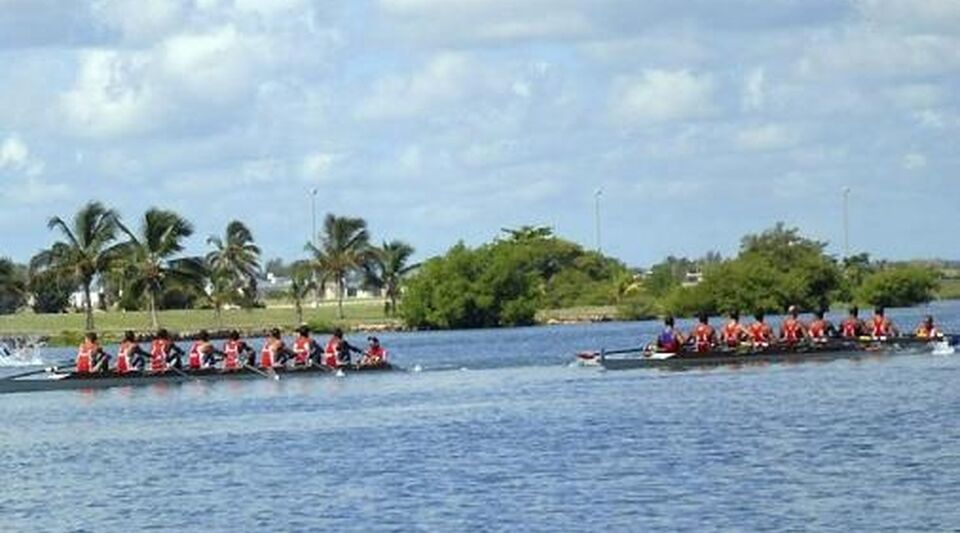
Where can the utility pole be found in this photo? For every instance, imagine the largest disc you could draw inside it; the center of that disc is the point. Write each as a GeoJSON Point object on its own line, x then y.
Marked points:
{"type": "Point", "coordinates": [846, 222]}
{"type": "Point", "coordinates": [313, 239]}
{"type": "Point", "coordinates": [596, 213]}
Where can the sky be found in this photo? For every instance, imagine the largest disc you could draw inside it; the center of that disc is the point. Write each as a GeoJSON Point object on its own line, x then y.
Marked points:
{"type": "Point", "coordinates": [439, 121]}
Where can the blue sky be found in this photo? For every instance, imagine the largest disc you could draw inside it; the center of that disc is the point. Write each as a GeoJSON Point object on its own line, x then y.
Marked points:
{"type": "Point", "coordinates": [438, 120]}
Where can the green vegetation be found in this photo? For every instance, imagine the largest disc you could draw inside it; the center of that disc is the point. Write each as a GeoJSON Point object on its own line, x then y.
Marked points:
{"type": "Point", "coordinates": [949, 289]}
{"type": "Point", "coordinates": [899, 286]}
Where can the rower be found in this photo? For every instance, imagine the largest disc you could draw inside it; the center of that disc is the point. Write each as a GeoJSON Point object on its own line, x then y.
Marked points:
{"type": "Point", "coordinates": [792, 329]}
{"type": "Point", "coordinates": [130, 356]}
{"type": "Point", "coordinates": [733, 333]}
{"type": "Point", "coordinates": [337, 351]}
{"type": "Point", "coordinates": [234, 350]}
{"type": "Point", "coordinates": [202, 353]}
{"type": "Point", "coordinates": [306, 351]}
{"type": "Point", "coordinates": [274, 352]}
{"type": "Point", "coordinates": [703, 336]}
{"type": "Point", "coordinates": [852, 327]}
{"type": "Point", "coordinates": [820, 328]}
{"type": "Point", "coordinates": [670, 339]}
{"type": "Point", "coordinates": [881, 326]}
{"type": "Point", "coordinates": [926, 329]}
{"type": "Point", "coordinates": [164, 353]}
{"type": "Point", "coordinates": [375, 355]}
{"type": "Point", "coordinates": [759, 333]}
{"type": "Point", "coordinates": [90, 356]}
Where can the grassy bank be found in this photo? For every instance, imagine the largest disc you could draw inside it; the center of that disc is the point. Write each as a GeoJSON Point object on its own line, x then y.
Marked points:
{"type": "Point", "coordinates": [949, 289]}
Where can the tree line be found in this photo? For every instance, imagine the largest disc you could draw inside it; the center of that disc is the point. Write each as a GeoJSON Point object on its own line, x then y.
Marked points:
{"type": "Point", "coordinates": [145, 266]}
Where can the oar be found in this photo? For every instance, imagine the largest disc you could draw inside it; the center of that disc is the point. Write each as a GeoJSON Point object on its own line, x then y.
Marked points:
{"type": "Point", "coordinates": [272, 375]}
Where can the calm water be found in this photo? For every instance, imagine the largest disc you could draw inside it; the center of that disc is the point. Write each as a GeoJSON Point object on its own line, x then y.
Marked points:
{"type": "Point", "coordinates": [499, 434]}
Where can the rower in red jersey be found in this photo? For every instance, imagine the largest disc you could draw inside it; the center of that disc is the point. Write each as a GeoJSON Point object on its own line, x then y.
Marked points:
{"type": "Point", "coordinates": [375, 355]}
{"type": "Point", "coordinates": [90, 356]}
{"type": "Point", "coordinates": [852, 327]}
{"type": "Point", "coordinates": [733, 333]}
{"type": "Point", "coordinates": [274, 352]}
{"type": "Point", "coordinates": [202, 354]}
{"type": "Point", "coordinates": [306, 351]}
{"type": "Point", "coordinates": [703, 335]}
{"type": "Point", "coordinates": [926, 329]}
{"type": "Point", "coordinates": [792, 329]}
{"type": "Point", "coordinates": [164, 353]}
{"type": "Point", "coordinates": [880, 326]}
{"type": "Point", "coordinates": [337, 351]}
{"type": "Point", "coordinates": [820, 329]}
{"type": "Point", "coordinates": [237, 353]}
{"type": "Point", "coordinates": [759, 333]}
{"type": "Point", "coordinates": [130, 356]}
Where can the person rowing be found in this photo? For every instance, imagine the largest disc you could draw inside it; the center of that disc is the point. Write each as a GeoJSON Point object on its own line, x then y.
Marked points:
{"type": "Point", "coordinates": [374, 355]}
{"type": "Point", "coordinates": [670, 339]}
{"type": "Point", "coordinates": [759, 333]}
{"type": "Point", "coordinates": [792, 329]}
{"type": "Point", "coordinates": [820, 329]}
{"type": "Point", "coordinates": [202, 353]}
{"type": "Point", "coordinates": [337, 351]}
{"type": "Point", "coordinates": [882, 327]}
{"type": "Point", "coordinates": [90, 355]}
{"type": "Point", "coordinates": [733, 332]}
{"type": "Point", "coordinates": [237, 353]}
{"type": "Point", "coordinates": [274, 352]}
{"type": "Point", "coordinates": [703, 337]}
{"type": "Point", "coordinates": [164, 353]}
{"type": "Point", "coordinates": [927, 330]}
{"type": "Point", "coordinates": [130, 356]}
{"type": "Point", "coordinates": [852, 327]}
{"type": "Point", "coordinates": [306, 351]}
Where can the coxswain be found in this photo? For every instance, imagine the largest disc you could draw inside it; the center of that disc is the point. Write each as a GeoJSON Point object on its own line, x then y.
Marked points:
{"type": "Point", "coordinates": [733, 333]}
{"type": "Point", "coordinates": [821, 329]}
{"type": "Point", "coordinates": [130, 356]}
{"type": "Point", "coordinates": [927, 330]}
{"type": "Point", "coordinates": [237, 353]}
{"type": "Point", "coordinates": [852, 327]}
{"type": "Point", "coordinates": [164, 353]}
{"type": "Point", "coordinates": [670, 339]}
{"type": "Point", "coordinates": [881, 326]}
{"type": "Point", "coordinates": [759, 332]}
{"type": "Point", "coordinates": [337, 351]}
{"type": "Point", "coordinates": [703, 337]}
{"type": "Point", "coordinates": [306, 351]}
{"type": "Point", "coordinates": [374, 355]}
{"type": "Point", "coordinates": [274, 352]}
{"type": "Point", "coordinates": [90, 356]}
{"type": "Point", "coordinates": [792, 329]}
{"type": "Point", "coordinates": [202, 353]}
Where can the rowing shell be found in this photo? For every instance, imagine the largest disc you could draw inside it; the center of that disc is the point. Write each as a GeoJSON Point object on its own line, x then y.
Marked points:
{"type": "Point", "coordinates": [832, 350]}
{"type": "Point", "coordinates": [54, 381]}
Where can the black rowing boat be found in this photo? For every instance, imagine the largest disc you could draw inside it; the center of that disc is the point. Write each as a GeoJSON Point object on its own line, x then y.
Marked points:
{"type": "Point", "coordinates": [51, 380]}
{"type": "Point", "coordinates": [744, 355]}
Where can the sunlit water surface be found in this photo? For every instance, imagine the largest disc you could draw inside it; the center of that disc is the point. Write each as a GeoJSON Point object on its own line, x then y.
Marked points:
{"type": "Point", "coordinates": [498, 432]}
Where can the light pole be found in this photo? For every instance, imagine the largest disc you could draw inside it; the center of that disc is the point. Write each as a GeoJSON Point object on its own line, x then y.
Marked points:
{"type": "Point", "coordinates": [313, 239]}
{"type": "Point", "coordinates": [596, 217]}
{"type": "Point", "coordinates": [846, 222]}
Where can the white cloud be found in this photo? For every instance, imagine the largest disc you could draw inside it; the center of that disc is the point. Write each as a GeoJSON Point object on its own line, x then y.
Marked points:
{"type": "Point", "coordinates": [920, 16]}
{"type": "Point", "coordinates": [15, 158]}
{"type": "Point", "coordinates": [444, 80]}
{"type": "Point", "coordinates": [754, 90]}
{"type": "Point", "coordinates": [914, 161]}
{"type": "Point", "coordinates": [316, 166]}
{"type": "Point", "coordinates": [663, 96]}
{"type": "Point", "coordinates": [766, 137]}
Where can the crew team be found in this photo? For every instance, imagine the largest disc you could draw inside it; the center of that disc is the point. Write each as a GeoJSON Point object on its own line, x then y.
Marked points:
{"type": "Point", "coordinates": [703, 337]}
{"type": "Point", "coordinates": [235, 354]}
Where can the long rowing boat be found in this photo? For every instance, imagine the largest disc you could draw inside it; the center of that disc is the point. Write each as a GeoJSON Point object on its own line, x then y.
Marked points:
{"type": "Point", "coordinates": [744, 355]}
{"type": "Point", "coordinates": [52, 380]}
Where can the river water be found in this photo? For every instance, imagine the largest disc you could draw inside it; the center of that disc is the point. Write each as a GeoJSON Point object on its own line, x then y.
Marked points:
{"type": "Point", "coordinates": [499, 433]}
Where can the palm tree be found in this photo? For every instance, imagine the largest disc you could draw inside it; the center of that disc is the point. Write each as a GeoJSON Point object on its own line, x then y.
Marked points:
{"type": "Point", "coordinates": [85, 252]}
{"type": "Point", "coordinates": [387, 268]}
{"type": "Point", "coordinates": [237, 258]}
{"type": "Point", "coordinates": [301, 284]}
{"type": "Point", "coordinates": [149, 259]}
{"type": "Point", "coordinates": [344, 249]}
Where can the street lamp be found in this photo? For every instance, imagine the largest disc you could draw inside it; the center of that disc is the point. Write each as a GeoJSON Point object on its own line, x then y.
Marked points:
{"type": "Point", "coordinates": [313, 215]}
{"type": "Point", "coordinates": [846, 222]}
{"type": "Point", "coordinates": [596, 214]}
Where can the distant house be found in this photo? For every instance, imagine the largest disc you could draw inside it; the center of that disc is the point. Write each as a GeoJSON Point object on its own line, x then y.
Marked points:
{"type": "Point", "coordinates": [273, 285]}
{"type": "Point", "coordinates": [96, 299]}
{"type": "Point", "coordinates": [692, 279]}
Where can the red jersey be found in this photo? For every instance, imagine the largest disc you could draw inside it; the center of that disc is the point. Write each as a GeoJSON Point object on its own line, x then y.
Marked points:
{"type": "Point", "coordinates": [760, 333]}
{"type": "Point", "coordinates": [301, 350]}
{"type": "Point", "coordinates": [231, 355]}
{"type": "Point", "coordinates": [158, 354]}
{"type": "Point", "coordinates": [123, 356]}
{"type": "Point", "coordinates": [851, 328]}
{"type": "Point", "coordinates": [792, 330]}
{"type": "Point", "coordinates": [703, 337]}
{"type": "Point", "coordinates": [818, 329]}
{"type": "Point", "coordinates": [85, 356]}
{"type": "Point", "coordinates": [732, 333]}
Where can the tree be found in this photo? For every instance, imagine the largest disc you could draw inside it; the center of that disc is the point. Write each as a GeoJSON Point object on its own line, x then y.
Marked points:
{"type": "Point", "coordinates": [236, 259]}
{"type": "Point", "coordinates": [222, 291]}
{"type": "Point", "coordinates": [149, 257]}
{"type": "Point", "coordinates": [85, 252]}
{"type": "Point", "coordinates": [12, 286]}
{"type": "Point", "coordinates": [50, 291]}
{"type": "Point", "coordinates": [899, 286]}
{"type": "Point", "coordinates": [301, 285]}
{"type": "Point", "coordinates": [528, 233]}
{"type": "Point", "coordinates": [387, 268]}
{"type": "Point", "coordinates": [344, 249]}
